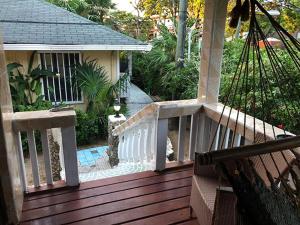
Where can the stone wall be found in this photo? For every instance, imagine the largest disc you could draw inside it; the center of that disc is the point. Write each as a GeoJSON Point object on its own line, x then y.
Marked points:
{"type": "Point", "coordinates": [54, 137]}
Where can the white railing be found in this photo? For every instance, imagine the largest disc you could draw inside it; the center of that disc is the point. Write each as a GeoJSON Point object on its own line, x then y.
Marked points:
{"type": "Point", "coordinates": [137, 143]}
{"type": "Point", "coordinates": [29, 123]}
{"type": "Point", "coordinates": [144, 136]}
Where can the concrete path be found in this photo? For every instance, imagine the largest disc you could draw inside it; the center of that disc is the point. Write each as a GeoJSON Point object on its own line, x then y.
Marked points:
{"type": "Point", "coordinates": [136, 100]}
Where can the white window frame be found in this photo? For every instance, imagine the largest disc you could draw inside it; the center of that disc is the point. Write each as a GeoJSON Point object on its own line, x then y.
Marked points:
{"type": "Point", "coordinates": [72, 102]}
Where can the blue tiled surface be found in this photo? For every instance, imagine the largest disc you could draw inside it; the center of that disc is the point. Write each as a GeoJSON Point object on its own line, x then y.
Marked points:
{"type": "Point", "coordinates": [88, 157]}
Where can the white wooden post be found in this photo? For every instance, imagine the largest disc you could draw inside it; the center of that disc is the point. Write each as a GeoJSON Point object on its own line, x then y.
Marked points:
{"type": "Point", "coordinates": [141, 144]}
{"type": "Point", "coordinates": [47, 158]}
{"type": "Point", "coordinates": [213, 135]}
{"type": "Point", "coordinates": [212, 50]}
{"type": "Point", "coordinates": [193, 135]}
{"type": "Point", "coordinates": [237, 140]}
{"type": "Point", "coordinates": [203, 133]}
{"type": "Point", "coordinates": [33, 158]}
{"type": "Point", "coordinates": [161, 143]}
{"type": "Point", "coordinates": [21, 162]}
{"type": "Point", "coordinates": [130, 64]}
{"type": "Point", "coordinates": [226, 141]}
{"type": "Point", "coordinates": [70, 155]}
{"type": "Point", "coordinates": [181, 138]}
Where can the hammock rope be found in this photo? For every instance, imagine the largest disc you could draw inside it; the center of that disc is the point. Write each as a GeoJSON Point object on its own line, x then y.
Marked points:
{"type": "Point", "coordinates": [261, 81]}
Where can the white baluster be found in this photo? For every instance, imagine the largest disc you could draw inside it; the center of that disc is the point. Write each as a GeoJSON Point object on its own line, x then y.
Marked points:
{"type": "Point", "coordinates": [149, 141]}
{"type": "Point", "coordinates": [193, 135]}
{"type": "Point", "coordinates": [237, 140]}
{"type": "Point", "coordinates": [121, 147]}
{"type": "Point", "coordinates": [127, 144]}
{"type": "Point", "coordinates": [21, 162]}
{"type": "Point", "coordinates": [161, 143]}
{"type": "Point", "coordinates": [132, 147]}
{"type": "Point", "coordinates": [141, 144]}
{"type": "Point", "coordinates": [181, 138]}
{"type": "Point", "coordinates": [70, 155]}
{"type": "Point", "coordinates": [33, 158]}
{"type": "Point", "coordinates": [135, 147]}
{"type": "Point", "coordinates": [47, 158]}
{"type": "Point", "coordinates": [217, 138]}
{"type": "Point", "coordinates": [226, 142]}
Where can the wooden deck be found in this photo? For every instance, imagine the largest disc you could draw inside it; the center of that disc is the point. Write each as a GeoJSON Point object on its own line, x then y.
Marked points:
{"type": "Point", "coordinates": [141, 199]}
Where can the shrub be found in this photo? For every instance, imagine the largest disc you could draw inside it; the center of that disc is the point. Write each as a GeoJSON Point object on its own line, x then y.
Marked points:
{"type": "Point", "coordinates": [86, 127]}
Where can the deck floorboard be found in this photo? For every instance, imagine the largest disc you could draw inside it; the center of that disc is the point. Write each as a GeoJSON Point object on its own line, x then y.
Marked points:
{"type": "Point", "coordinates": [142, 198]}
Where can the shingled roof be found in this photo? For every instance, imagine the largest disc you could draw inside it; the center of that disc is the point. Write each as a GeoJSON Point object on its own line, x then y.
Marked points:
{"type": "Point", "coordinates": [39, 24]}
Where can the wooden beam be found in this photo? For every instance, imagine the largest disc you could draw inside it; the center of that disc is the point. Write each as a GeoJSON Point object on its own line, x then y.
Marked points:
{"type": "Point", "coordinates": [212, 50]}
{"type": "Point", "coordinates": [40, 120]}
{"type": "Point", "coordinates": [248, 151]}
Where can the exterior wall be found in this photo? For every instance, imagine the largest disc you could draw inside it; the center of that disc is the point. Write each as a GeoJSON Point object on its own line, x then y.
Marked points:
{"type": "Point", "coordinates": [108, 59]}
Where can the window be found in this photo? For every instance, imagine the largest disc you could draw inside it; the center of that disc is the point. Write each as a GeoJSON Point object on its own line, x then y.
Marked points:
{"type": "Point", "coordinates": [61, 88]}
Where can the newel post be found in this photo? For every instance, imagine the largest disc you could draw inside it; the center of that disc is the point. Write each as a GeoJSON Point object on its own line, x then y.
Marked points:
{"type": "Point", "coordinates": [161, 144]}
{"type": "Point", "coordinates": [68, 135]}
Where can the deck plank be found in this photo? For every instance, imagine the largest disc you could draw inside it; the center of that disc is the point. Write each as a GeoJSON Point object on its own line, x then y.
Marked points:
{"type": "Point", "coordinates": [146, 198]}
{"type": "Point", "coordinates": [138, 213]}
{"type": "Point", "coordinates": [71, 196]}
{"type": "Point", "coordinates": [166, 218]}
{"type": "Point", "coordinates": [104, 199]}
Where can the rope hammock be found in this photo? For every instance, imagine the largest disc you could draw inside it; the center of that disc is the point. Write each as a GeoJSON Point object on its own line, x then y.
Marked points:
{"type": "Point", "coordinates": [262, 86]}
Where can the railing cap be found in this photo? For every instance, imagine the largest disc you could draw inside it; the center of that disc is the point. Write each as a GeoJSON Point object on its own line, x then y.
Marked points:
{"type": "Point", "coordinates": [39, 120]}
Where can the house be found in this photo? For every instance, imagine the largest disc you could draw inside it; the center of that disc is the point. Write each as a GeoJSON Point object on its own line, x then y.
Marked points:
{"type": "Point", "coordinates": [61, 39]}
{"type": "Point", "coordinates": [163, 196]}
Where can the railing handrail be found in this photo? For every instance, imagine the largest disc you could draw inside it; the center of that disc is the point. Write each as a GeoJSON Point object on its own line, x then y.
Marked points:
{"type": "Point", "coordinates": [44, 119]}
{"type": "Point", "coordinates": [214, 111]}
{"type": "Point", "coordinates": [166, 109]}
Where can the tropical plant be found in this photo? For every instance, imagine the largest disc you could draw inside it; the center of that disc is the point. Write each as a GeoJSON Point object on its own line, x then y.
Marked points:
{"type": "Point", "coordinates": [156, 71]}
{"type": "Point", "coordinates": [94, 10]}
{"type": "Point", "coordinates": [92, 80]}
{"type": "Point", "coordinates": [99, 91]}
{"type": "Point", "coordinates": [26, 87]}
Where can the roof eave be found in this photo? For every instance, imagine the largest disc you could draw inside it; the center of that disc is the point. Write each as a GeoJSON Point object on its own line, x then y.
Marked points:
{"type": "Point", "coordinates": [45, 47]}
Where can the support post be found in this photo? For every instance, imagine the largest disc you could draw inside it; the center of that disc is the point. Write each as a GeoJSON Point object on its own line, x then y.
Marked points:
{"type": "Point", "coordinates": [193, 135]}
{"type": "Point", "coordinates": [181, 138]}
{"type": "Point", "coordinates": [70, 155]}
{"type": "Point", "coordinates": [161, 143]}
{"type": "Point", "coordinates": [204, 133]}
{"type": "Point", "coordinates": [212, 50]}
{"type": "Point", "coordinates": [130, 65]}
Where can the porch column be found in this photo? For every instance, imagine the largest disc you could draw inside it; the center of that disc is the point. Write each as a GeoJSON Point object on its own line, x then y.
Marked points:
{"type": "Point", "coordinates": [130, 65]}
{"type": "Point", "coordinates": [212, 50]}
{"type": "Point", "coordinates": [118, 65]}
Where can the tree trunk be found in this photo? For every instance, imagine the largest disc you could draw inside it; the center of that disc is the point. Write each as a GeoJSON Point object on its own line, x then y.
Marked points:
{"type": "Point", "coordinates": [181, 33]}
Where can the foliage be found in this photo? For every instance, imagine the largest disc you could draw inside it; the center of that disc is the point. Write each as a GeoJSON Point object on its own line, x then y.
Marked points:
{"type": "Point", "coordinates": [164, 8]}
{"type": "Point", "coordinates": [26, 88]}
{"type": "Point", "coordinates": [95, 10]}
{"type": "Point", "coordinates": [100, 94]}
{"type": "Point", "coordinates": [129, 24]}
{"type": "Point", "coordinates": [156, 72]}
{"type": "Point", "coordinates": [86, 127]}
{"type": "Point", "coordinates": [92, 80]}
{"type": "Point", "coordinates": [274, 102]}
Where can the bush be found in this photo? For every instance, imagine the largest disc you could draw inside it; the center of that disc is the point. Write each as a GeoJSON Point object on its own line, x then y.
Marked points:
{"type": "Point", "coordinates": [86, 127]}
